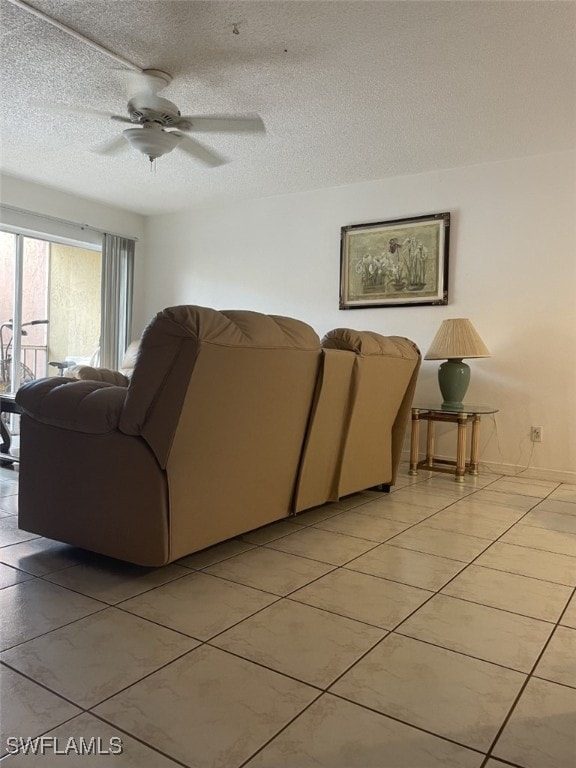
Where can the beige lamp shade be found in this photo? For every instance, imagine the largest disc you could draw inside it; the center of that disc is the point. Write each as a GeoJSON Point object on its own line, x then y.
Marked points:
{"type": "Point", "coordinates": [456, 338]}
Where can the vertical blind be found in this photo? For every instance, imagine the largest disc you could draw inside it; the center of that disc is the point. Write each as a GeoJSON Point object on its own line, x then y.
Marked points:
{"type": "Point", "coordinates": [117, 290]}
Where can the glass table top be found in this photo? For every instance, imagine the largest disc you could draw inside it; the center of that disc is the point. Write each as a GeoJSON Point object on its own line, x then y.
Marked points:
{"type": "Point", "coordinates": [464, 408]}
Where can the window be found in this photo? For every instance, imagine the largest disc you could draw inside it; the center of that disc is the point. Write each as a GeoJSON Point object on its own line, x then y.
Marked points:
{"type": "Point", "coordinates": [62, 303]}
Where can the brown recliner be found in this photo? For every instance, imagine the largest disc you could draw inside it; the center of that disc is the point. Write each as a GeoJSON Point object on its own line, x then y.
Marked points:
{"type": "Point", "coordinates": [204, 443]}
{"type": "Point", "coordinates": [360, 415]}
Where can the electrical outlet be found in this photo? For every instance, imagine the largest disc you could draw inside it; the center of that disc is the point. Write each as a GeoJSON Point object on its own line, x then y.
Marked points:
{"type": "Point", "coordinates": [536, 434]}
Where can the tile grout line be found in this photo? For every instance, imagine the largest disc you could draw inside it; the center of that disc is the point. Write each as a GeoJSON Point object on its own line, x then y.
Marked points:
{"type": "Point", "coordinates": [471, 562]}
{"type": "Point", "coordinates": [376, 544]}
{"type": "Point", "coordinates": [407, 723]}
{"type": "Point", "coordinates": [241, 621]}
{"type": "Point", "coordinates": [369, 650]}
{"type": "Point", "coordinates": [327, 692]}
{"type": "Point", "coordinates": [207, 643]}
{"type": "Point", "coordinates": [76, 591]}
{"type": "Point", "coordinates": [534, 578]}
{"type": "Point", "coordinates": [393, 631]}
{"type": "Point", "coordinates": [173, 759]}
{"type": "Point", "coordinates": [89, 711]}
{"type": "Point", "coordinates": [289, 594]}
{"type": "Point", "coordinates": [497, 607]}
{"type": "Point", "coordinates": [282, 596]}
{"type": "Point", "coordinates": [6, 755]}
{"type": "Point", "coordinates": [10, 666]}
{"type": "Point", "coordinates": [529, 677]}
{"type": "Point", "coordinates": [281, 730]}
{"type": "Point", "coordinates": [50, 631]}
{"type": "Point", "coordinates": [395, 628]}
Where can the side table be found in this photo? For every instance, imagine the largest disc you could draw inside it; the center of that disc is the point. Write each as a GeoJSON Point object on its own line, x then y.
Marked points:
{"type": "Point", "coordinates": [461, 417]}
{"type": "Point", "coordinates": [8, 404]}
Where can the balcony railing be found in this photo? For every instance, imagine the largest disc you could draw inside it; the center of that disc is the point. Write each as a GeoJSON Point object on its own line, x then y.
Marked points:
{"type": "Point", "coordinates": [35, 360]}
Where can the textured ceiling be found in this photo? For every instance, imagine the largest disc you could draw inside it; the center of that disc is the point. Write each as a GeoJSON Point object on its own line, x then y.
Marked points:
{"type": "Point", "coordinates": [349, 91]}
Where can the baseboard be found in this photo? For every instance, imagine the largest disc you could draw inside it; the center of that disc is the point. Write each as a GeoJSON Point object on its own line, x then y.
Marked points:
{"type": "Point", "coordinates": [530, 473]}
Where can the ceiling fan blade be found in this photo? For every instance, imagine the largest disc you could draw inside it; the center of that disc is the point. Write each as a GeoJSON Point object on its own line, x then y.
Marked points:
{"type": "Point", "coordinates": [72, 109]}
{"type": "Point", "coordinates": [69, 108]}
{"type": "Point", "coordinates": [111, 147]}
{"type": "Point", "coordinates": [199, 151]}
{"type": "Point", "coordinates": [224, 124]}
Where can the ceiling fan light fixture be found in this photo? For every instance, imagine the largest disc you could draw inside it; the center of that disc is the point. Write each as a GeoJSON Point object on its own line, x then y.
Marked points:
{"type": "Point", "coordinates": [152, 141]}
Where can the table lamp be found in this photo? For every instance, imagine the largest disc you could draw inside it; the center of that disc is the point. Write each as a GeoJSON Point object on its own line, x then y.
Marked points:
{"type": "Point", "coordinates": [456, 338]}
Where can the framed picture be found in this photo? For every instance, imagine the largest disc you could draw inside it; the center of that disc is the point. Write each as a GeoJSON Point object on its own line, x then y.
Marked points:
{"type": "Point", "coordinates": [397, 263]}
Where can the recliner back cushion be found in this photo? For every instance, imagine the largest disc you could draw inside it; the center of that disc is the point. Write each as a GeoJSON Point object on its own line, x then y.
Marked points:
{"type": "Point", "coordinates": [169, 351]}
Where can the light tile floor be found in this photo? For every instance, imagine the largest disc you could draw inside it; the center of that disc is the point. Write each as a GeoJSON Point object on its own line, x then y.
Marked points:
{"type": "Point", "coordinates": [434, 627]}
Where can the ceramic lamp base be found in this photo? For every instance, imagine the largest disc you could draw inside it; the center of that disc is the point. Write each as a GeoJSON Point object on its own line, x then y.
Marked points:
{"type": "Point", "coordinates": [453, 378]}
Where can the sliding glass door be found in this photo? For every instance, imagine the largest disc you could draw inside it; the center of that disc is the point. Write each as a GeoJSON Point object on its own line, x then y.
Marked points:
{"type": "Point", "coordinates": [50, 307]}
{"type": "Point", "coordinates": [74, 289]}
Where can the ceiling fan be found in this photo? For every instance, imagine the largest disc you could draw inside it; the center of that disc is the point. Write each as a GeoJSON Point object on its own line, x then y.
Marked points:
{"type": "Point", "coordinates": [158, 126]}
{"type": "Point", "coordinates": [151, 115]}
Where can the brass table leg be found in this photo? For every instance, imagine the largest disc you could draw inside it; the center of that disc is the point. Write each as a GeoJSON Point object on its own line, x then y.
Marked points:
{"type": "Point", "coordinates": [430, 443]}
{"type": "Point", "coordinates": [461, 447]}
{"type": "Point", "coordinates": [414, 441]}
{"type": "Point", "coordinates": [475, 445]}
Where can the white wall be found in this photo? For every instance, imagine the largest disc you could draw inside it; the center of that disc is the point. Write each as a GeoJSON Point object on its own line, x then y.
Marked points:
{"type": "Point", "coordinates": [47, 201]}
{"type": "Point", "coordinates": [512, 272]}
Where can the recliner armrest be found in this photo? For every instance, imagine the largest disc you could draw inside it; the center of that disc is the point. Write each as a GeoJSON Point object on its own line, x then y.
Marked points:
{"type": "Point", "coordinates": [93, 407]}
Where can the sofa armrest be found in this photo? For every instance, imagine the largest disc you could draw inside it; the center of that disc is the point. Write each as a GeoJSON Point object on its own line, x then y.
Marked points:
{"type": "Point", "coordinates": [88, 373]}
{"type": "Point", "coordinates": [93, 407]}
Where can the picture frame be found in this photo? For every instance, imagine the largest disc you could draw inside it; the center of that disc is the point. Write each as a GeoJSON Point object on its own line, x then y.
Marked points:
{"type": "Point", "coordinates": [395, 263]}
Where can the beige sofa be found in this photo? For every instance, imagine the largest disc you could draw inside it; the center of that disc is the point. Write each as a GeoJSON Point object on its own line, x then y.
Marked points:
{"type": "Point", "coordinates": [219, 431]}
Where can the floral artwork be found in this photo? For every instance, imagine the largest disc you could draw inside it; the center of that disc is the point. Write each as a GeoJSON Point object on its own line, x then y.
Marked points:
{"type": "Point", "coordinates": [395, 263]}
